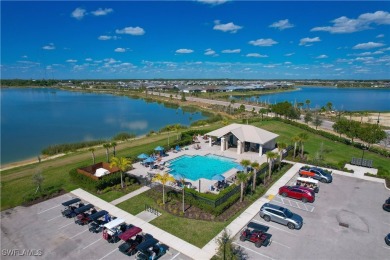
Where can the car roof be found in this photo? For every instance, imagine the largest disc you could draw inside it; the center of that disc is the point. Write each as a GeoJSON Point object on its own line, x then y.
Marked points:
{"type": "Point", "coordinates": [130, 233]}
{"type": "Point", "coordinates": [255, 226]}
{"type": "Point", "coordinates": [114, 223]}
{"type": "Point", "coordinates": [273, 206]}
{"type": "Point", "coordinates": [70, 202]}
{"type": "Point", "coordinates": [97, 215]}
{"type": "Point", "coordinates": [84, 208]}
{"type": "Point", "coordinates": [307, 180]}
{"type": "Point", "coordinates": [146, 244]}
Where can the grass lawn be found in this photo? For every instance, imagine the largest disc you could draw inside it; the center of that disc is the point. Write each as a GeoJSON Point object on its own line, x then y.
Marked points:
{"type": "Point", "coordinates": [334, 152]}
{"type": "Point", "coordinates": [115, 194]}
{"type": "Point", "coordinates": [17, 183]}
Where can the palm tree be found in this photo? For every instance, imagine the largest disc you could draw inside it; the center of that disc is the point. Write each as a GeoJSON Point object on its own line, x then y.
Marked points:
{"type": "Point", "coordinates": [296, 139]}
{"type": "Point", "coordinates": [245, 163]}
{"type": "Point", "coordinates": [122, 163]}
{"type": "Point", "coordinates": [183, 182]}
{"type": "Point", "coordinates": [281, 147]}
{"type": "Point", "coordinates": [308, 103]}
{"type": "Point", "coordinates": [107, 146]}
{"type": "Point", "coordinates": [255, 165]}
{"type": "Point", "coordinates": [303, 137]}
{"type": "Point", "coordinates": [329, 106]}
{"type": "Point", "coordinates": [163, 178]}
{"type": "Point", "coordinates": [92, 150]}
{"type": "Point", "coordinates": [113, 145]}
{"type": "Point", "coordinates": [271, 156]}
{"type": "Point", "coordinates": [242, 178]}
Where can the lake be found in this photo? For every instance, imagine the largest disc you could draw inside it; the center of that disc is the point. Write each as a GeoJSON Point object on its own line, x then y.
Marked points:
{"type": "Point", "coordinates": [32, 119]}
{"type": "Point", "coordinates": [351, 99]}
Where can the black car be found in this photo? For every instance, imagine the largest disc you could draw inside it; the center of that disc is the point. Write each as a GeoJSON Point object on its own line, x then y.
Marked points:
{"type": "Point", "coordinates": [387, 239]}
{"type": "Point", "coordinates": [386, 205]}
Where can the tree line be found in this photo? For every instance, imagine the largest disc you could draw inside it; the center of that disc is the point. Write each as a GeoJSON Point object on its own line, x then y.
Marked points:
{"type": "Point", "coordinates": [369, 133]}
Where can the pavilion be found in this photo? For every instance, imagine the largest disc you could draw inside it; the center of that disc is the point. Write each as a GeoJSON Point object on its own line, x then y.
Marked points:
{"type": "Point", "coordinates": [245, 137]}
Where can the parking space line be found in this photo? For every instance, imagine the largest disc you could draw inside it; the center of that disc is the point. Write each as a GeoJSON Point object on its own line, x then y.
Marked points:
{"type": "Point", "coordinates": [175, 256]}
{"type": "Point", "coordinates": [92, 243]}
{"type": "Point", "coordinates": [54, 218]}
{"type": "Point", "coordinates": [109, 253]}
{"type": "Point", "coordinates": [273, 241]}
{"type": "Point", "coordinates": [386, 247]}
{"type": "Point", "coordinates": [66, 225]}
{"type": "Point", "coordinates": [386, 223]}
{"type": "Point", "coordinates": [266, 223]}
{"type": "Point", "coordinates": [48, 209]}
{"type": "Point", "coordinates": [78, 234]}
{"type": "Point", "coordinates": [253, 251]}
{"type": "Point", "coordinates": [295, 204]}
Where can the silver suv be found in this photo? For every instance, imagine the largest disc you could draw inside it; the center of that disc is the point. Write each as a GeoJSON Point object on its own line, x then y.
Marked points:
{"type": "Point", "coordinates": [281, 215]}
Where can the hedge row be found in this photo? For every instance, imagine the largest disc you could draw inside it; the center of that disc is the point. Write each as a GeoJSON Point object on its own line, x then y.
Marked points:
{"type": "Point", "coordinates": [64, 148]}
{"type": "Point", "coordinates": [333, 137]}
{"type": "Point", "coordinates": [96, 185]}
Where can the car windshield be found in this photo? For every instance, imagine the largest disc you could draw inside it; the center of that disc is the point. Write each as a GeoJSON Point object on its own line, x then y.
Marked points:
{"type": "Point", "coordinates": [288, 213]}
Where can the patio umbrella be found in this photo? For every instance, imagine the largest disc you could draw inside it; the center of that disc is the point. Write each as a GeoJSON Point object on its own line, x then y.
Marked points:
{"type": "Point", "coordinates": [240, 168]}
{"type": "Point", "coordinates": [178, 176]}
{"type": "Point", "coordinates": [149, 160]}
{"type": "Point", "coordinates": [218, 177]}
{"type": "Point", "coordinates": [142, 156]}
{"type": "Point", "coordinates": [159, 148]}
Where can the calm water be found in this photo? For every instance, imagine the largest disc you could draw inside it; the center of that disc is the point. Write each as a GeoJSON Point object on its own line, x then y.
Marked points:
{"type": "Point", "coordinates": [351, 99]}
{"type": "Point", "coordinates": [196, 167]}
{"type": "Point", "coordinates": [32, 119]}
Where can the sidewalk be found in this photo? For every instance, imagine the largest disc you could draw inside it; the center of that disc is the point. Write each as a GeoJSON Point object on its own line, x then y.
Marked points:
{"type": "Point", "coordinates": [163, 236]}
{"type": "Point", "coordinates": [130, 195]}
{"type": "Point", "coordinates": [236, 225]}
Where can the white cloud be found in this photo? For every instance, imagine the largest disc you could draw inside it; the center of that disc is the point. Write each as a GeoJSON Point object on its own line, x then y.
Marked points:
{"type": "Point", "coordinates": [282, 24]}
{"type": "Point", "coordinates": [131, 30]}
{"type": "Point", "coordinates": [323, 56]}
{"type": "Point", "coordinates": [367, 45]}
{"type": "Point", "coordinates": [256, 55]}
{"type": "Point", "coordinates": [209, 52]}
{"type": "Point", "coordinates": [263, 42]}
{"type": "Point", "coordinates": [24, 56]}
{"type": "Point", "coordinates": [120, 50]}
{"type": "Point", "coordinates": [184, 51]}
{"type": "Point", "coordinates": [287, 63]}
{"type": "Point", "coordinates": [101, 12]}
{"type": "Point", "coordinates": [88, 59]}
{"type": "Point", "coordinates": [49, 47]}
{"type": "Point", "coordinates": [380, 36]}
{"type": "Point", "coordinates": [305, 41]}
{"type": "Point", "coordinates": [227, 27]}
{"type": "Point", "coordinates": [107, 37]}
{"type": "Point", "coordinates": [71, 61]}
{"type": "Point", "coordinates": [232, 51]}
{"type": "Point", "coordinates": [213, 2]}
{"type": "Point", "coordinates": [344, 24]}
{"type": "Point", "coordinates": [78, 13]}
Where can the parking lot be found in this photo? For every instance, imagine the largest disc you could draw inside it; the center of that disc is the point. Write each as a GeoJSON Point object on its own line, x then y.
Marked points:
{"type": "Point", "coordinates": [43, 230]}
{"type": "Point", "coordinates": [351, 202]}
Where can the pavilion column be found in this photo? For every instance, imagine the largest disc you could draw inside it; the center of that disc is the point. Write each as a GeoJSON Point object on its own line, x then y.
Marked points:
{"type": "Point", "coordinates": [210, 142]}
{"type": "Point", "coordinates": [260, 150]}
{"type": "Point", "coordinates": [239, 147]}
{"type": "Point", "coordinates": [223, 144]}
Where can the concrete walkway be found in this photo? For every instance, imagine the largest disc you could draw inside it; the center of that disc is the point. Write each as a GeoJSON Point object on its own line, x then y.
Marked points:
{"type": "Point", "coordinates": [130, 195]}
{"type": "Point", "coordinates": [163, 236]}
{"type": "Point", "coordinates": [236, 225]}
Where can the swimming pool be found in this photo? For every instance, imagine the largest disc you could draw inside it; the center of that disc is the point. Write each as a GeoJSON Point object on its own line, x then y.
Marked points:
{"type": "Point", "coordinates": [196, 167]}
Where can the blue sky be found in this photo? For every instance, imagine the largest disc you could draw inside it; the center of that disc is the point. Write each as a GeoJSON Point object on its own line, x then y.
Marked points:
{"type": "Point", "coordinates": [195, 39]}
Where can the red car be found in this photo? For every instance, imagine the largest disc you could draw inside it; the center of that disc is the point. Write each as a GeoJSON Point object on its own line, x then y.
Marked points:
{"type": "Point", "coordinates": [297, 192]}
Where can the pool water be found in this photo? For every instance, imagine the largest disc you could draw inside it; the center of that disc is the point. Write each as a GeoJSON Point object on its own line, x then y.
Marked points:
{"type": "Point", "coordinates": [196, 167]}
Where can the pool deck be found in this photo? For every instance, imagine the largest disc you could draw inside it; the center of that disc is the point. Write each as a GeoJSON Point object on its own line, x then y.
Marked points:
{"type": "Point", "coordinates": [142, 171]}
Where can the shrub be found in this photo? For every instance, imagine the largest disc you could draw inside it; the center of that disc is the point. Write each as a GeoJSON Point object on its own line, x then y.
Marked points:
{"type": "Point", "coordinates": [123, 136]}
{"type": "Point", "coordinates": [64, 148]}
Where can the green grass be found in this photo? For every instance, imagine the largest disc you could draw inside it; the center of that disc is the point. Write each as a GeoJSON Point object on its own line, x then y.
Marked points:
{"type": "Point", "coordinates": [17, 183]}
{"type": "Point", "coordinates": [115, 194]}
{"type": "Point", "coordinates": [136, 204]}
{"type": "Point", "coordinates": [335, 152]}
